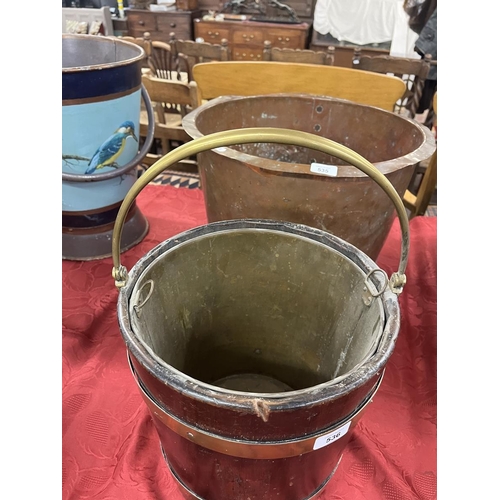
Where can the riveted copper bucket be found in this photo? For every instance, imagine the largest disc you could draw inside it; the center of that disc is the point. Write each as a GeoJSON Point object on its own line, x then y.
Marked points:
{"type": "Point", "coordinates": [290, 183]}
{"type": "Point", "coordinates": [257, 344]}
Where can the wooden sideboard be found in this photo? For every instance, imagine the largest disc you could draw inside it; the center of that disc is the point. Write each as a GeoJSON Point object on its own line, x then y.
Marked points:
{"type": "Point", "coordinates": [161, 24]}
{"type": "Point", "coordinates": [246, 38]}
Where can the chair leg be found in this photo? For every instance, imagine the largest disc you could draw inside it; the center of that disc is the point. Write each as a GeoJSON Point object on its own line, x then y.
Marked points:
{"type": "Point", "coordinates": [417, 204]}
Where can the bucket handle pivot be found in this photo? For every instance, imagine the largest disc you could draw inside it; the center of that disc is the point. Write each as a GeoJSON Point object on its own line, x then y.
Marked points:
{"type": "Point", "coordinates": [263, 135]}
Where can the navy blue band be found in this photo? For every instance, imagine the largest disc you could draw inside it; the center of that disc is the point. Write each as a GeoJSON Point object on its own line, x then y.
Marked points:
{"type": "Point", "coordinates": [92, 83]}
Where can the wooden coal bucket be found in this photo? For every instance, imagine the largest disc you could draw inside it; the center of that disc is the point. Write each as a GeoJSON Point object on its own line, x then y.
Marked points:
{"type": "Point", "coordinates": [257, 344]}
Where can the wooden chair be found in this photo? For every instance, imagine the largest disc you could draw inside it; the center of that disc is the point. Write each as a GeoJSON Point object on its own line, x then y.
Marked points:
{"type": "Point", "coordinates": [306, 56]}
{"type": "Point", "coordinates": [163, 64]}
{"type": "Point", "coordinates": [412, 71]}
{"type": "Point", "coordinates": [198, 52]}
{"type": "Point", "coordinates": [417, 203]}
{"type": "Point", "coordinates": [246, 78]}
{"type": "Point", "coordinates": [144, 42]}
{"type": "Point", "coordinates": [168, 126]}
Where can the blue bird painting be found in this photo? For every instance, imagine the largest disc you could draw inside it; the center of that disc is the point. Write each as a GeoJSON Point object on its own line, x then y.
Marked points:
{"type": "Point", "coordinates": [109, 151]}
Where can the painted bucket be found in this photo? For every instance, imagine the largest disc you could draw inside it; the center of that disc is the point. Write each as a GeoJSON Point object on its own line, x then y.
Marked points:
{"type": "Point", "coordinates": [101, 101]}
{"type": "Point", "coordinates": [257, 344]}
{"type": "Point", "coordinates": [283, 182]}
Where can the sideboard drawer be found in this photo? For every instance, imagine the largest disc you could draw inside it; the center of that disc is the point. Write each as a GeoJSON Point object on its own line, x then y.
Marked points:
{"type": "Point", "coordinates": [246, 53]}
{"type": "Point", "coordinates": [248, 36]}
{"type": "Point", "coordinates": [286, 39]}
{"type": "Point", "coordinates": [161, 24]}
{"type": "Point", "coordinates": [211, 34]}
{"type": "Point", "coordinates": [141, 22]}
{"type": "Point", "coordinates": [180, 25]}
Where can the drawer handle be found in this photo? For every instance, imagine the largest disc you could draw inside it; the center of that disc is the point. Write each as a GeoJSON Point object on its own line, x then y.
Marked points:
{"type": "Point", "coordinates": [141, 23]}
{"type": "Point", "coordinates": [172, 25]}
{"type": "Point", "coordinates": [287, 39]}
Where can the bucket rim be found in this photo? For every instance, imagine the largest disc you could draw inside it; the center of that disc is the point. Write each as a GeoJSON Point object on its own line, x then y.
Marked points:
{"type": "Point", "coordinates": [203, 391]}
{"type": "Point", "coordinates": [103, 39]}
{"type": "Point", "coordinates": [423, 152]}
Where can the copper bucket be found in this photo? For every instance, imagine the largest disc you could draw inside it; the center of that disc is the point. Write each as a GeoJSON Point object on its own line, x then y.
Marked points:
{"type": "Point", "coordinates": [300, 185]}
{"type": "Point", "coordinates": [257, 344]}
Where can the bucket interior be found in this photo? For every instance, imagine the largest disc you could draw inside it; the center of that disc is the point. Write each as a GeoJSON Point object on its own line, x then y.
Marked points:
{"type": "Point", "coordinates": [255, 310]}
{"type": "Point", "coordinates": [375, 134]}
{"type": "Point", "coordinates": [89, 50]}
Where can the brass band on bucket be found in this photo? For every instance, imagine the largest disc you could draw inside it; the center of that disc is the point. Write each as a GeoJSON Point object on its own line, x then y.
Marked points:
{"type": "Point", "coordinates": [263, 135]}
{"type": "Point", "coordinates": [246, 449]}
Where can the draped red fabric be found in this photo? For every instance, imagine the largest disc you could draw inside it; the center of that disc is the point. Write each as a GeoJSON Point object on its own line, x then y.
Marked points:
{"type": "Point", "coordinates": [110, 448]}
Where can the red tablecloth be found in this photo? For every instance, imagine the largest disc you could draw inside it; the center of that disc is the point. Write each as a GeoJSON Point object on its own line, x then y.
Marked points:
{"type": "Point", "coordinates": [110, 447]}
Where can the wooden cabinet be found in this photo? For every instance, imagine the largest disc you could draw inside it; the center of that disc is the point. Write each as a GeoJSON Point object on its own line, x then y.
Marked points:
{"type": "Point", "coordinates": [246, 38]}
{"type": "Point", "coordinates": [161, 24]}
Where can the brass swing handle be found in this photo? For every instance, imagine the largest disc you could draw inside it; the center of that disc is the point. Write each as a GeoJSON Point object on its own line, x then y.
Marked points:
{"type": "Point", "coordinates": [263, 135]}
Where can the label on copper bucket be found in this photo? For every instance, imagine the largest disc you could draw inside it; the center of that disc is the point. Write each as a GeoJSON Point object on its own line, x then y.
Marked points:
{"type": "Point", "coordinates": [252, 382]}
{"type": "Point", "coordinates": [320, 168]}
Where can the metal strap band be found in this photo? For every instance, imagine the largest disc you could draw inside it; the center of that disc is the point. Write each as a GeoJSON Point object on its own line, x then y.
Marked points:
{"type": "Point", "coordinates": [246, 449]}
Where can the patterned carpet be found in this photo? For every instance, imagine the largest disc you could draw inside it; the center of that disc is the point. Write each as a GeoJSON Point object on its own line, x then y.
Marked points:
{"type": "Point", "coordinates": [176, 179]}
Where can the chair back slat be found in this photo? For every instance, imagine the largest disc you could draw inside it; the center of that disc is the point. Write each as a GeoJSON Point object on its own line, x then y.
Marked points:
{"type": "Point", "coordinates": [304, 56]}
{"type": "Point", "coordinates": [246, 78]}
{"type": "Point", "coordinates": [412, 71]}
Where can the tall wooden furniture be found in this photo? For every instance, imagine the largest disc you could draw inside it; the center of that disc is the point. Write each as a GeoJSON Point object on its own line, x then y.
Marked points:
{"type": "Point", "coordinates": [412, 71]}
{"type": "Point", "coordinates": [198, 52]}
{"type": "Point", "coordinates": [161, 24]}
{"type": "Point", "coordinates": [168, 127]}
{"type": "Point", "coordinates": [306, 56]}
{"type": "Point", "coordinates": [418, 202]}
{"type": "Point", "coordinates": [246, 38]}
{"type": "Point", "coordinates": [245, 78]}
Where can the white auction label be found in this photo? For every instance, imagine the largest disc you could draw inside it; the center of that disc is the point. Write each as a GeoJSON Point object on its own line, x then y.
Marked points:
{"type": "Point", "coordinates": [319, 168]}
{"type": "Point", "coordinates": [331, 436]}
